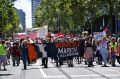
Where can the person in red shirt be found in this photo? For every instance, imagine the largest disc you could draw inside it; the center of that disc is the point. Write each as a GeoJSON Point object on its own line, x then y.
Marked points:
{"type": "Point", "coordinates": [118, 51]}
{"type": "Point", "coordinates": [15, 52]}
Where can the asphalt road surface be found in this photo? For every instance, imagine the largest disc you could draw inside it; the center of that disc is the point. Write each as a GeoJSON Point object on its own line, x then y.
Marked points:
{"type": "Point", "coordinates": [79, 71]}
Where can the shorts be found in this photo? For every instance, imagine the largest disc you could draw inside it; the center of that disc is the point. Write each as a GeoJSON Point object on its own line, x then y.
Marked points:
{"type": "Point", "coordinates": [3, 58]}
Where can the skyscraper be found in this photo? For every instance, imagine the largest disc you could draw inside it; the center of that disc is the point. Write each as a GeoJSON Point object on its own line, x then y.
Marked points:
{"type": "Point", "coordinates": [21, 15]}
{"type": "Point", "coordinates": [35, 4]}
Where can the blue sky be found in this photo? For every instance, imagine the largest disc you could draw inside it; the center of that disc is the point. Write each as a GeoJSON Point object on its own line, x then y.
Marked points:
{"type": "Point", "coordinates": [25, 5]}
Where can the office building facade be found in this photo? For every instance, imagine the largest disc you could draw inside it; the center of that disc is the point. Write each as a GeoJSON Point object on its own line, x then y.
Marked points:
{"type": "Point", "coordinates": [21, 14]}
{"type": "Point", "coordinates": [35, 4]}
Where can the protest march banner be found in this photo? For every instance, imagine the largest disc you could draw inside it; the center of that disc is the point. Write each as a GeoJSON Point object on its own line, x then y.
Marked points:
{"type": "Point", "coordinates": [20, 35]}
{"type": "Point", "coordinates": [58, 49]}
{"type": "Point", "coordinates": [33, 35]}
{"type": "Point", "coordinates": [43, 31]}
{"type": "Point", "coordinates": [99, 35]}
{"type": "Point", "coordinates": [65, 49]}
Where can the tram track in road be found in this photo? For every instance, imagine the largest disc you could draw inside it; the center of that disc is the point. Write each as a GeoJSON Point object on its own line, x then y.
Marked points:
{"type": "Point", "coordinates": [97, 73]}
{"type": "Point", "coordinates": [65, 72]}
{"type": "Point", "coordinates": [67, 75]}
{"type": "Point", "coordinates": [71, 77]}
{"type": "Point", "coordinates": [62, 71]}
{"type": "Point", "coordinates": [104, 75]}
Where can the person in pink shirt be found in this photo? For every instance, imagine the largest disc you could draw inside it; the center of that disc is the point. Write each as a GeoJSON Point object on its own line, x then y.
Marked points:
{"type": "Point", "coordinates": [104, 50]}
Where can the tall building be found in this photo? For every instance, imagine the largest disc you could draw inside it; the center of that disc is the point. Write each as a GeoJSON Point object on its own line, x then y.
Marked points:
{"type": "Point", "coordinates": [35, 4]}
{"type": "Point", "coordinates": [21, 15]}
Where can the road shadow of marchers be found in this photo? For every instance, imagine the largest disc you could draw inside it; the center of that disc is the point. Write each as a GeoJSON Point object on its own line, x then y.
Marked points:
{"type": "Point", "coordinates": [5, 74]}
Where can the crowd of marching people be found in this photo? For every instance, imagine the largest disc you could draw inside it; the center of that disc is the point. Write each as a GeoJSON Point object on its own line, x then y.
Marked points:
{"type": "Point", "coordinates": [103, 51]}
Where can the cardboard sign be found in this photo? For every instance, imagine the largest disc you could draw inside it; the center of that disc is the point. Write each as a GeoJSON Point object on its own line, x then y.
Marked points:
{"type": "Point", "coordinates": [43, 31]}
{"type": "Point", "coordinates": [99, 35]}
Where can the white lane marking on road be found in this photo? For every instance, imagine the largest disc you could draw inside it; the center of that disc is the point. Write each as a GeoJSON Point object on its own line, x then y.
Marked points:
{"type": "Point", "coordinates": [45, 76]}
{"type": "Point", "coordinates": [112, 75]}
{"type": "Point", "coordinates": [85, 75]}
{"type": "Point", "coordinates": [41, 70]}
{"type": "Point", "coordinates": [62, 76]}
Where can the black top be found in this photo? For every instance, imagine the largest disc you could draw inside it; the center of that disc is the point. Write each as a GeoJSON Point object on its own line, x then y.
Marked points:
{"type": "Point", "coordinates": [88, 44]}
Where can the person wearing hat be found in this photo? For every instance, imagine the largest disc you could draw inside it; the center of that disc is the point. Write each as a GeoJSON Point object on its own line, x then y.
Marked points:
{"type": "Point", "coordinates": [113, 50]}
{"type": "Point", "coordinates": [24, 55]}
{"type": "Point", "coordinates": [88, 55]}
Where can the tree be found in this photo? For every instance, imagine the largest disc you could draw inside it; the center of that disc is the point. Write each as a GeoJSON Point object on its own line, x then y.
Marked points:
{"type": "Point", "coordinates": [72, 15]}
{"type": "Point", "coordinates": [8, 17]}
{"type": "Point", "coordinates": [113, 10]}
{"type": "Point", "coordinates": [60, 13]}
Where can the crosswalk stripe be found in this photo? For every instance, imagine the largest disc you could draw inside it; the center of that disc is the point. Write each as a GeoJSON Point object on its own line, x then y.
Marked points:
{"type": "Point", "coordinates": [41, 70]}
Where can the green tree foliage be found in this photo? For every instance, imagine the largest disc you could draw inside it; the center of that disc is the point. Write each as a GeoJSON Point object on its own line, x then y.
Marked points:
{"type": "Point", "coordinates": [113, 8]}
{"type": "Point", "coordinates": [73, 14]}
{"type": "Point", "coordinates": [9, 20]}
{"type": "Point", "coordinates": [65, 14]}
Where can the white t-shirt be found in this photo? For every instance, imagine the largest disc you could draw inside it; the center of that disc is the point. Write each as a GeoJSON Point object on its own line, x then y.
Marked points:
{"type": "Point", "coordinates": [43, 51]}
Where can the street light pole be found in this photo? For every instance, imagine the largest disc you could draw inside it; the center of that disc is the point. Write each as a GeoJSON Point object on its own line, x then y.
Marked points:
{"type": "Point", "coordinates": [91, 26]}
{"type": "Point", "coordinates": [58, 24]}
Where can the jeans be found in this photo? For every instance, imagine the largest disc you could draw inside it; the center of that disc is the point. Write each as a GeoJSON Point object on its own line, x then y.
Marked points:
{"type": "Point", "coordinates": [24, 59]}
{"type": "Point", "coordinates": [113, 58]}
{"type": "Point", "coordinates": [104, 53]}
{"type": "Point", "coordinates": [98, 55]}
